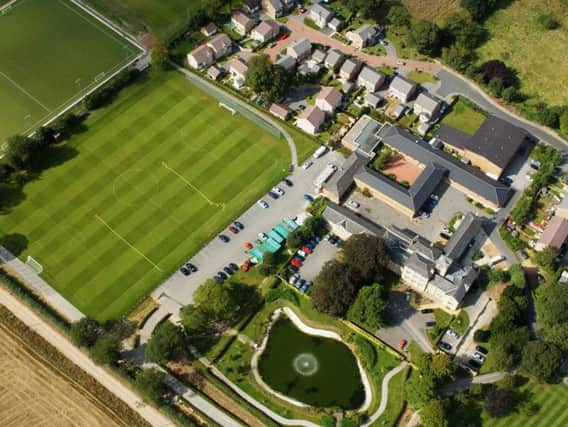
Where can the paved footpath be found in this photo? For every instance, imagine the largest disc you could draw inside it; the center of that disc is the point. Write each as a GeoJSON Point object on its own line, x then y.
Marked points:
{"type": "Point", "coordinates": [105, 378]}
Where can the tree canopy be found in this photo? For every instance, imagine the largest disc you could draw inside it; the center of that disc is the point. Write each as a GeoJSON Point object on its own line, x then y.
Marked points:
{"type": "Point", "coordinates": [106, 350]}
{"type": "Point", "coordinates": [85, 332]}
{"type": "Point", "coordinates": [335, 288]}
{"type": "Point", "coordinates": [499, 402]}
{"type": "Point", "coordinates": [265, 78]}
{"type": "Point", "coordinates": [425, 35]}
{"type": "Point", "coordinates": [399, 16]}
{"type": "Point", "coordinates": [368, 307]}
{"type": "Point", "coordinates": [541, 360]}
{"type": "Point", "coordinates": [366, 254]}
{"type": "Point", "coordinates": [19, 152]}
{"type": "Point", "coordinates": [463, 31]}
{"type": "Point", "coordinates": [150, 383]}
{"type": "Point", "coordinates": [370, 9]}
{"type": "Point", "coordinates": [166, 342]}
{"type": "Point", "coordinates": [433, 414]}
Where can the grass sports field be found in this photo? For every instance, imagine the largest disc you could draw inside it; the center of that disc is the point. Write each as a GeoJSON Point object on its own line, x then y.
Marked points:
{"type": "Point", "coordinates": [156, 175]}
{"type": "Point", "coordinates": [551, 401]}
{"type": "Point", "coordinates": [50, 52]}
{"type": "Point", "coordinates": [539, 56]}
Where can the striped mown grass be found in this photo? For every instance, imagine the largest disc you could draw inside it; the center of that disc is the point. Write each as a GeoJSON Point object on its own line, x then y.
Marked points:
{"type": "Point", "coordinates": [156, 175]}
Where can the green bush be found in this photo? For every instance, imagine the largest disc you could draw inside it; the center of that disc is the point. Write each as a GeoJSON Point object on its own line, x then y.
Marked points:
{"type": "Point", "coordinates": [367, 352]}
{"type": "Point", "coordinates": [481, 335]}
{"type": "Point", "coordinates": [282, 292]}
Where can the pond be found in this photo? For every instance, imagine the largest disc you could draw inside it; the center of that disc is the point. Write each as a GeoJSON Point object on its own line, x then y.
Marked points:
{"type": "Point", "coordinates": [314, 370]}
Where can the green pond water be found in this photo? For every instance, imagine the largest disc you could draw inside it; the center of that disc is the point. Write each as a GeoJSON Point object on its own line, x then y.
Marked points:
{"type": "Point", "coordinates": [318, 371]}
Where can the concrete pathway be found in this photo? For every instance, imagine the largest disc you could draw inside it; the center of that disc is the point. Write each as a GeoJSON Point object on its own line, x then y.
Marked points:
{"type": "Point", "coordinates": [466, 382]}
{"type": "Point", "coordinates": [61, 343]}
{"type": "Point", "coordinates": [39, 286]}
{"type": "Point", "coordinates": [298, 31]}
{"type": "Point", "coordinates": [384, 394]}
{"type": "Point", "coordinates": [225, 94]}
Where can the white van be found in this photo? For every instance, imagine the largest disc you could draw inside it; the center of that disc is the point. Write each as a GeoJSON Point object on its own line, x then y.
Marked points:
{"type": "Point", "coordinates": [320, 152]}
{"type": "Point", "coordinates": [496, 260]}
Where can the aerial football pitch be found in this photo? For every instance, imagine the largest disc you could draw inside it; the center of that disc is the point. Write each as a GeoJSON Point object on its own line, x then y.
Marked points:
{"type": "Point", "coordinates": [51, 53]}
{"type": "Point", "coordinates": [153, 177]}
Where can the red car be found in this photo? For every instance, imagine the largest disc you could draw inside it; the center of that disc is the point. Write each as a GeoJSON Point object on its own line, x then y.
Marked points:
{"type": "Point", "coordinates": [306, 249]}
{"type": "Point", "coordinates": [284, 36]}
{"type": "Point", "coordinates": [402, 343]}
{"type": "Point", "coordinates": [296, 263]}
{"type": "Point", "coordinates": [248, 245]}
{"type": "Point", "coordinates": [245, 266]}
{"type": "Point", "coordinates": [233, 229]}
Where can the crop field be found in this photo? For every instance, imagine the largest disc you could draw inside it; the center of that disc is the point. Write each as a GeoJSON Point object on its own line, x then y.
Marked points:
{"type": "Point", "coordinates": [51, 52]}
{"type": "Point", "coordinates": [35, 393]}
{"type": "Point", "coordinates": [551, 402]}
{"type": "Point", "coordinates": [153, 177]}
{"type": "Point", "coordinates": [433, 10]}
{"type": "Point", "coordinates": [537, 55]}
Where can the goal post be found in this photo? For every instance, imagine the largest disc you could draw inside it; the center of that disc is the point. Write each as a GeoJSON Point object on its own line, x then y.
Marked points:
{"type": "Point", "coordinates": [226, 107]}
{"type": "Point", "coordinates": [34, 265]}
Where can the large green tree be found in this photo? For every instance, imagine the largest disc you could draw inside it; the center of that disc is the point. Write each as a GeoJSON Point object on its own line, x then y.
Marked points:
{"type": "Point", "coordinates": [106, 350]}
{"type": "Point", "coordinates": [463, 31]}
{"type": "Point", "coordinates": [265, 78]}
{"type": "Point", "coordinates": [20, 151]}
{"type": "Point", "coordinates": [399, 16]}
{"type": "Point", "coordinates": [541, 360]}
{"type": "Point", "coordinates": [370, 9]}
{"type": "Point", "coordinates": [499, 402]}
{"type": "Point", "coordinates": [165, 344]}
{"type": "Point", "coordinates": [366, 254]}
{"type": "Point", "coordinates": [335, 288]}
{"type": "Point", "coordinates": [433, 414]}
{"type": "Point", "coordinates": [85, 332]}
{"type": "Point", "coordinates": [368, 307]}
{"type": "Point", "coordinates": [425, 35]}
{"type": "Point", "coordinates": [150, 383]}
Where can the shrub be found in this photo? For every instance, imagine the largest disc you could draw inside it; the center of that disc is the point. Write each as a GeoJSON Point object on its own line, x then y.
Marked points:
{"type": "Point", "coordinates": [481, 335]}
{"type": "Point", "coordinates": [548, 22]}
{"type": "Point", "coordinates": [367, 352]}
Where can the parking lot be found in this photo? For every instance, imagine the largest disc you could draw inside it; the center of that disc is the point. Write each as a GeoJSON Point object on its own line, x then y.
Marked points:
{"type": "Point", "coordinates": [322, 253]}
{"type": "Point", "coordinates": [451, 201]}
{"type": "Point", "coordinates": [216, 254]}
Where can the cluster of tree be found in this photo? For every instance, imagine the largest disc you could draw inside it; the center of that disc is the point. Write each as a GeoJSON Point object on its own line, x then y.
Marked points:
{"type": "Point", "coordinates": [217, 306]}
{"type": "Point", "coordinates": [312, 226]}
{"type": "Point", "coordinates": [166, 343]}
{"type": "Point", "coordinates": [337, 286]}
{"type": "Point", "coordinates": [479, 9]}
{"type": "Point", "coordinates": [104, 342]}
{"type": "Point", "coordinates": [434, 370]}
{"type": "Point", "coordinates": [110, 90]}
{"type": "Point", "coordinates": [509, 329]}
{"type": "Point", "coordinates": [369, 9]}
{"type": "Point", "coordinates": [267, 79]}
{"type": "Point", "coordinates": [549, 158]}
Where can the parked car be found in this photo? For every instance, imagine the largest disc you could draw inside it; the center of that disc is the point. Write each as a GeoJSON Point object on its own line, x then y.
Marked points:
{"type": "Point", "coordinates": [233, 229]}
{"type": "Point", "coordinates": [304, 288]}
{"type": "Point", "coordinates": [191, 267]}
{"type": "Point", "coordinates": [245, 266]}
{"type": "Point", "coordinates": [308, 198]}
{"type": "Point", "coordinates": [407, 296]}
{"type": "Point", "coordinates": [474, 364]}
{"type": "Point", "coordinates": [524, 254]}
{"type": "Point", "coordinates": [353, 204]}
{"type": "Point", "coordinates": [481, 350]}
{"type": "Point", "coordinates": [479, 357]}
{"type": "Point", "coordinates": [302, 254]}
{"type": "Point", "coordinates": [262, 204]}
{"type": "Point", "coordinates": [228, 270]}
{"type": "Point", "coordinates": [300, 283]}
{"type": "Point", "coordinates": [218, 279]}
{"type": "Point", "coordinates": [222, 275]}
{"type": "Point", "coordinates": [426, 311]}
{"type": "Point", "coordinates": [224, 238]}
{"type": "Point", "coordinates": [402, 343]}
{"type": "Point", "coordinates": [284, 36]}
{"type": "Point", "coordinates": [444, 346]}
{"type": "Point", "coordinates": [288, 182]}
{"type": "Point", "coordinates": [248, 245]}
{"type": "Point", "coordinates": [239, 225]}
{"type": "Point", "coordinates": [306, 249]}
{"type": "Point", "coordinates": [292, 268]}
{"type": "Point", "coordinates": [185, 271]}
{"type": "Point", "coordinates": [430, 324]}
{"type": "Point", "coordinates": [273, 195]}
{"type": "Point", "coordinates": [278, 191]}
{"type": "Point", "coordinates": [295, 262]}
{"type": "Point", "coordinates": [233, 266]}
{"type": "Point", "coordinates": [294, 278]}
{"type": "Point", "coordinates": [262, 237]}
{"type": "Point", "coordinates": [307, 164]}
{"type": "Point", "coordinates": [453, 334]}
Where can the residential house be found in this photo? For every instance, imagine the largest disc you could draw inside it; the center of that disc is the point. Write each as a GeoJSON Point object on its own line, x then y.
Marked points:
{"type": "Point", "coordinates": [237, 69]}
{"type": "Point", "coordinates": [402, 89]}
{"type": "Point", "coordinates": [329, 99]}
{"type": "Point", "coordinates": [373, 99]}
{"type": "Point", "coordinates": [265, 31]}
{"type": "Point", "coordinates": [336, 24]}
{"type": "Point", "coordinates": [242, 23]}
{"type": "Point", "coordinates": [311, 120]}
{"type": "Point", "coordinates": [345, 223]}
{"type": "Point", "coordinates": [286, 62]}
{"type": "Point", "coordinates": [209, 30]}
{"type": "Point", "coordinates": [349, 70]}
{"type": "Point", "coordinates": [318, 56]}
{"type": "Point", "coordinates": [280, 111]}
{"type": "Point", "coordinates": [251, 7]}
{"type": "Point", "coordinates": [320, 15]}
{"type": "Point", "coordinates": [200, 57]}
{"type": "Point", "coordinates": [221, 45]}
{"type": "Point", "coordinates": [365, 35]}
{"type": "Point", "coordinates": [427, 107]}
{"type": "Point", "coordinates": [370, 79]}
{"type": "Point", "coordinates": [273, 8]}
{"type": "Point", "coordinates": [348, 87]}
{"type": "Point", "coordinates": [214, 72]}
{"type": "Point", "coordinates": [300, 49]}
{"type": "Point", "coordinates": [555, 234]}
{"type": "Point", "coordinates": [334, 59]}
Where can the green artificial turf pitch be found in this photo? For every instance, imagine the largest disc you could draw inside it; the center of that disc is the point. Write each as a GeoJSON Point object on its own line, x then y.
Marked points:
{"type": "Point", "coordinates": [154, 177]}
{"type": "Point", "coordinates": [50, 53]}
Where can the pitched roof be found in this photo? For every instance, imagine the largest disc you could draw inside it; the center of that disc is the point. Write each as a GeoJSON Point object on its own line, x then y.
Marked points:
{"type": "Point", "coordinates": [452, 136]}
{"type": "Point", "coordinates": [214, 72]}
{"type": "Point", "coordinates": [468, 230]}
{"type": "Point", "coordinates": [265, 27]}
{"type": "Point", "coordinates": [370, 75]}
{"type": "Point", "coordinates": [402, 84]}
{"type": "Point", "coordinates": [330, 95]}
{"type": "Point", "coordinates": [334, 57]}
{"type": "Point", "coordinates": [241, 18]}
{"type": "Point", "coordinates": [321, 11]}
{"type": "Point", "coordinates": [202, 54]}
{"type": "Point", "coordinates": [301, 46]}
{"type": "Point", "coordinates": [351, 222]}
{"type": "Point", "coordinates": [219, 42]}
{"type": "Point", "coordinates": [313, 115]}
{"type": "Point", "coordinates": [237, 65]}
{"type": "Point", "coordinates": [318, 55]}
{"type": "Point", "coordinates": [342, 180]}
{"type": "Point", "coordinates": [279, 110]}
{"type": "Point", "coordinates": [366, 31]}
{"type": "Point", "coordinates": [349, 66]}
{"type": "Point", "coordinates": [497, 140]}
{"type": "Point", "coordinates": [427, 102]}
{"type": "Point", "coordinates": [286, 62]}
{"type": "Point", "coordinates": [373, 98]}
{"type": "Point", "coordinates": [555, 233]}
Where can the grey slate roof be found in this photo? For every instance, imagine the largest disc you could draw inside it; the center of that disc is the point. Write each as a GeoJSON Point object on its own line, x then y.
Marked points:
{"type": "Point", "coordinates": [427, 101]}
{"type": "Point", "coordinates": [334, 58]}
{"type": "Point", "coordinates": [463, 174]}
{"type": "Point", "coordinates": [453, 136]}
{"type": "Point", "coordinates": [352, 223]}
{"type": "Point", "coordinates": [419, 265]}
{"type": "Point", "coordinates": [370, 75]}
{"type": "Point", "coordinates": [402, 84]}
{"type": "Point", "coordinates": [342, 180]}
{"type": "Point", "coordinates": [468, 230]}
{"type": "Point", "coordinates": [412, 198]}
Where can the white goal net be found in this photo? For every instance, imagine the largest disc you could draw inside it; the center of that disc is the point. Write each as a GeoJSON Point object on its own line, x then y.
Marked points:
{"type": "Point", "coordinates": [34, 265]}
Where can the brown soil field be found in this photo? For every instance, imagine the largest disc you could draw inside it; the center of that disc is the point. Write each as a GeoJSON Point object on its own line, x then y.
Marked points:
{"type": "Point", "coordinates": [35, 393]}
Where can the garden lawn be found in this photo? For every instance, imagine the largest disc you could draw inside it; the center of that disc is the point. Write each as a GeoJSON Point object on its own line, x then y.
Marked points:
{"type": "Point", "coordinates": [551, 401]}
{"type": "Point", "coordinates": [539, 56]}
{"type": "Point", "coordinates": [154, 177]}
{"type": "Point", "coordinates": [51, 53]}
{"type": "Point", "coordinates": [464, 117]}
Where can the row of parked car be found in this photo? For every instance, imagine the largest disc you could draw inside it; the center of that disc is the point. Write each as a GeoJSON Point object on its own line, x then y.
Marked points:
{"type": "Point", "coordinates": [275, 194]}
{"type": "Point", "coordinates": [228, 270]}
{"type": "Point", "coordinates": [429, 206]}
